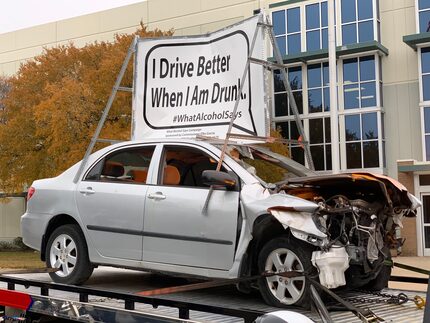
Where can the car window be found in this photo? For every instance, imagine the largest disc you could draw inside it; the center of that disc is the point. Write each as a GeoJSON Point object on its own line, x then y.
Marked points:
{"type": "Point", "coordinates": [128, 166]}
{"type": "Point", "coordinates": [183, 166]}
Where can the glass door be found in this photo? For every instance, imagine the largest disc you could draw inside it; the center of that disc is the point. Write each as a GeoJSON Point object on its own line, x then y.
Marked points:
{"type": "Point", "coordinates": [425, 198]}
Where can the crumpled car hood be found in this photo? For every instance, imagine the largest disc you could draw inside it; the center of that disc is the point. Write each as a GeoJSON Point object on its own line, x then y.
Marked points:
{"type": "Point", "coordinates": [256, 197]}
{"type": "Point", "coordinates": [294, 208]}
{"type": "Point", "coordinates": [395, 194]}
{"type": "Point", "coordinates": [290, 211]}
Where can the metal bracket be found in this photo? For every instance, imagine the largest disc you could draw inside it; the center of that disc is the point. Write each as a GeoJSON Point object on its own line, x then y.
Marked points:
{"type": "Point", "coordinates": [125, 89]}
{"type": "Point", "coordinates": [109, 141]}
{"type": "Point", "coordinates": [106, 110]}
{"type": "Point", "coordinates": [267, 64]}
{"type": "Point", "coordinates": [267, 26]}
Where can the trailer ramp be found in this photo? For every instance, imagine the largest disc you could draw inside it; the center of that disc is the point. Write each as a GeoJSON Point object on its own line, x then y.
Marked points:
{"type": "Point", "coordinates": [116, 289]}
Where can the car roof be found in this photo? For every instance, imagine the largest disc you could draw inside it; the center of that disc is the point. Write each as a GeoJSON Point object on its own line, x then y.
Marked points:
{"type": "Point", "coordinates": [290, 164]}
{"type": "Point", "coordinates": [157, 141]}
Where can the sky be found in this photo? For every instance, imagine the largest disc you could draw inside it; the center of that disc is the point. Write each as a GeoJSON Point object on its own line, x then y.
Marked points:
{"type": "Point", "coordinates": [19, 14]}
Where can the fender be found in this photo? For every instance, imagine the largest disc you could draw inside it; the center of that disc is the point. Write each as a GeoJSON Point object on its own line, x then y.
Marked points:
{"type": "Point", "coordinates": [290, 211]}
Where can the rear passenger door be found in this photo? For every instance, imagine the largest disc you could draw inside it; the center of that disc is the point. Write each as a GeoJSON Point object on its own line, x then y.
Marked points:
{"type": "Point", "coordinates": [176, 231]}
{"type": "Point", "coordinates": [111, 201]}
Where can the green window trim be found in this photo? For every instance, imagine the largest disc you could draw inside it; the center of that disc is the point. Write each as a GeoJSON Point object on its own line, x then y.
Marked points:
{"type": "Point", "coordinates": [340, 51]}
{"type": "Point", "coordinates": [284, 3]}
{"type": "Point", "coordinates": [413, 168]}
{"type": "Point", "coordinates": [416, 39]}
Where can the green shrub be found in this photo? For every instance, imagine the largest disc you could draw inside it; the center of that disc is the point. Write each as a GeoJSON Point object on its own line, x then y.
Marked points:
{"type": "Point", "coordinates": [6, 246]}
{"type": "Point", "coordinates": [18, 243]}
{"type": "Point", "coordinates": [15, 245]}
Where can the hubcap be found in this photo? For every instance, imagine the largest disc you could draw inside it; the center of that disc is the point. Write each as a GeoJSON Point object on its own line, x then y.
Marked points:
{"type": "Point", "coordinates": [63, 255]}
{"type": "Point", "coordinates": [286, 290]}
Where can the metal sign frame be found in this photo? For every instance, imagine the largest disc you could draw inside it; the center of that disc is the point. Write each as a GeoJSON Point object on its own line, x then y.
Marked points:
{"type": "Point", "coordinates": [266, 27]}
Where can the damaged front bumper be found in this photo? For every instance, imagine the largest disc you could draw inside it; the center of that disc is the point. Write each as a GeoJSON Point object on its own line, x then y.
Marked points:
{"type": "Point", "coordinates": [332, 262]}
{"type": "Point", "coordinates": [350, 218]}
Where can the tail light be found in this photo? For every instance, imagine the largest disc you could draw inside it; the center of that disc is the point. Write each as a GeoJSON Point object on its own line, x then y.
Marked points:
{"type": "Point", "coordinates": [30, 193]}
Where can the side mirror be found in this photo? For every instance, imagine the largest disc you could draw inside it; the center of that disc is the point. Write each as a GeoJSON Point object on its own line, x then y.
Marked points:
{"type": "Point", "coordinates": [215, 178]}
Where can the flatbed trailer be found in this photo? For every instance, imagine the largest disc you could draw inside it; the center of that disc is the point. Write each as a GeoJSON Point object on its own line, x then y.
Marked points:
{"type": "Point", "coordinates": [218, 304]}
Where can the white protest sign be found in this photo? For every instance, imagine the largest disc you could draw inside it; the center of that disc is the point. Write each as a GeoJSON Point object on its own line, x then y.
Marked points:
{"type": "Point", "coordinates": [187, 86]}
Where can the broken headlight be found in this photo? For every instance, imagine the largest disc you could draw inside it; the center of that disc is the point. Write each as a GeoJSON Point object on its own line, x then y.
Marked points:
{"type": "Point", "coordinates": [320, 222]}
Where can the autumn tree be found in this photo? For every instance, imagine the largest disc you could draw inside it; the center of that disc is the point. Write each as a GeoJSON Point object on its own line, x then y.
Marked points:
{"type": "Point", "coordinates": [53, 104]}
{"type": "Point", "coordinates": [4, 90]}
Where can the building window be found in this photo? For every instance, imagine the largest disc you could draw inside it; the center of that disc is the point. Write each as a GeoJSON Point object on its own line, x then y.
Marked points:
{"type": "Point", "coordinates": [288, 129]}
{"type": "Point", "coordinates": [424, 63]}
{"type": "Point", "coordinates": [425, 96]}
{"type": "Point", "coordinates": [293, 31]}
{"type": "Point", "coordinates": [318, 88]}
{"type": "Point", "coordinates": [357, 21]}
{"type": "Point", "coordinates": [424, 15]}
{"type": "Point", "coordinates": [319, 142]}
{"type": "Point", "coordinates": [361, 122]}
{"type": "Point", "coordinates": [361, 137]}
{"type": "Point", "coordinates": [282, 104]}
{"type": "Point", "coordinates": [359, 82]}
{"type": "Point", "coordinates": [427, 132]}
{"type": "Point", "coordinates": [278, 20]}
{"type": "Point", "coordinates": [286, 27]}
{"type": "Point", "coordinates": [363, 134]}
{"type": "Point", "coordinates": [425, 72]}
{"type": "Point", "coordinates": [316, 26]}
{"type": "Point", "coordinates": [360, 22]}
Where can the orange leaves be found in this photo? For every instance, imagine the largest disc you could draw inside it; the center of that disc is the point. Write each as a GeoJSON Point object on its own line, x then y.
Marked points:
{"type": "Point", "coordinates": [54, 104]}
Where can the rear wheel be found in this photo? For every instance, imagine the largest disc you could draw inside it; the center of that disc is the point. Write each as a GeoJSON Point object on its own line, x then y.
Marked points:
{"type": "Point", "coordinates": [285, 254]}
{"type": "Point", "coordinates": [66, 250]}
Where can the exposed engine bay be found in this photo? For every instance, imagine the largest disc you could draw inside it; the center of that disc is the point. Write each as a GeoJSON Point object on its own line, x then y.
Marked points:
{"type": "Point", "coordinates": [353, 219]}
{"type": "Point", "coordinates": [359, 211]}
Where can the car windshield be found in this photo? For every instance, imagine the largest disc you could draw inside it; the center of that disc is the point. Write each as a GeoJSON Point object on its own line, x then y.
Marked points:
{"type": "Point", "coordinates": [266, 165]}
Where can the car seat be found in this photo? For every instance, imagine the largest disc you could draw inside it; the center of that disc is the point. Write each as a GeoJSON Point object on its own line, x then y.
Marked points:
{"type": "Point", "coordinates": [171, 175]}
{"type": "Point", "coordinates": [113, 169]}
{"type": "Point", "coordinates": [139, 175]}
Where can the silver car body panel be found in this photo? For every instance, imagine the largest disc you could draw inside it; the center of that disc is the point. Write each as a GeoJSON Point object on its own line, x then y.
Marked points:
{"type": "Point", "coordinates": [124, 228]}
{"type": "Point", "coordinates": [177, 231]}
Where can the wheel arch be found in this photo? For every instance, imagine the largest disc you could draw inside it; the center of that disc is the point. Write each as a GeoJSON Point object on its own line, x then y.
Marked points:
{"type": "Point", "coordinates": [54, 223]}
{"type": "Point", "coordinates": [265, 228]}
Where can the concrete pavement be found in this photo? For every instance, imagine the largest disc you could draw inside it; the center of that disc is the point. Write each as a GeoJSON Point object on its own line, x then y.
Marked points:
{"type": "Point", "coordinates": [420, 262]}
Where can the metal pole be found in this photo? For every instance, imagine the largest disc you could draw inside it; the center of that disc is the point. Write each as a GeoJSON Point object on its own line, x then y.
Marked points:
{"type": "Point", "coordinates": [319, 304]}
{"type": "Point", "coordinates": [427, 306]}
{"type": "Point", "coordinates": [106, 110]}
{"type": "Point", "coordinates": [334, 118]}
{"type": "Point", "coordinates": [291, 99]}
{"type": "Point", "coordinates": [236, 104]}
{"type": "Point", "coordinates": [233, 116]}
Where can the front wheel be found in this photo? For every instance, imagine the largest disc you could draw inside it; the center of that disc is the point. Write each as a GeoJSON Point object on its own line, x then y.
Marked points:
{"type": "Point", "coordinates": [381, 280]}
{"type": "Point", "coordinates": [66, 250]}
{"type": "Point", "coordinates": [285, 254]}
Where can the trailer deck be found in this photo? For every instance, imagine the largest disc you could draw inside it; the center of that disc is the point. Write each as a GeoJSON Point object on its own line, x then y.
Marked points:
{"type": "Point", "coordinates": [115, 289]}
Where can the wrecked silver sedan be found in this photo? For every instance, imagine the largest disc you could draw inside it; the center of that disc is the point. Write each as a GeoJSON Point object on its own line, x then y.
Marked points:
{"type": "Point", "coordinates": [145, 205]}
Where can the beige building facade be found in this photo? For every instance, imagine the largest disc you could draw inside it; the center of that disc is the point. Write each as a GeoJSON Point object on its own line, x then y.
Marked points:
{"type": "Point", "coordinates": [382, 75]}
{"type": "Point", "coordinates": [11, 209]}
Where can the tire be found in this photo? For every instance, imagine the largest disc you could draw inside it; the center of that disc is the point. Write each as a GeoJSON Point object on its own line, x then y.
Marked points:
{"type": "Point", "coordinates": [289, 254]}
{"type": "Point", "coordinates": [381, 280]}
{"type": "Point", "coordinates": [66, 249]}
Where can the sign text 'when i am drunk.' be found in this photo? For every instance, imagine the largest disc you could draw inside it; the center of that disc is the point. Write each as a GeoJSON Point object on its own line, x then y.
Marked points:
{"type": "Point", "coordinates": [195, 95]}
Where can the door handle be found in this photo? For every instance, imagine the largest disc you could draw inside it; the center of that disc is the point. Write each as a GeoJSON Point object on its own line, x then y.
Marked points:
{"type": "Point", "coordinates": [157, 196]}
{"type": "Point", "coordinates": [87, 191]}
